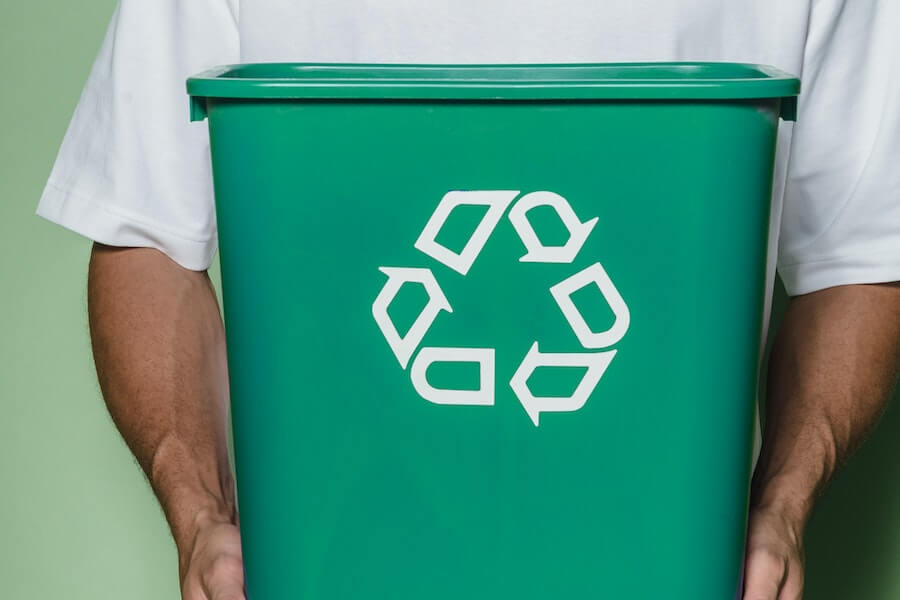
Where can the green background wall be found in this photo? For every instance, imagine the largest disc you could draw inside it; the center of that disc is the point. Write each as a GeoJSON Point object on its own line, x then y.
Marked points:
{"type": "Point", "coordinates": [77, 519]}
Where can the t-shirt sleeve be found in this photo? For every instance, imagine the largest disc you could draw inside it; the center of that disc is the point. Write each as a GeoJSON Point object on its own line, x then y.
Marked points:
{"type": "Point", "coordinates": [841, 219]}
{"type": "Point", "coordinates": [132, 169]}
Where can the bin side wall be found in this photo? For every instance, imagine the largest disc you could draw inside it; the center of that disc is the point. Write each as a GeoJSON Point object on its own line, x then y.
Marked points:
{"type": "Point", "coordinates": [351, 485]}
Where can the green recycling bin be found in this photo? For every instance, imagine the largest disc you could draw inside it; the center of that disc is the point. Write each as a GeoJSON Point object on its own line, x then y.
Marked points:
{"type": "Point", "coordinates": [493, 330]}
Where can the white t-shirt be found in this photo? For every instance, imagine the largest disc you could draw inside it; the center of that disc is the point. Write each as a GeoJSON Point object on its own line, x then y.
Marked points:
{"type": "Point", "coordinates": [133, 171]}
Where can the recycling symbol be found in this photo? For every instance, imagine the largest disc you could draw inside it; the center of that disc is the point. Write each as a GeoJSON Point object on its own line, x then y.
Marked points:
{"type": "Point", "coordinates": [597, 355]}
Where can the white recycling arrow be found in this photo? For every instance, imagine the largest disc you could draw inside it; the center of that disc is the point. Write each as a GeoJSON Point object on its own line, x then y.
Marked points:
{"type": "Point", "coordinates": [537, 252]}
{"type": "Point", "coordinates": [483, 396]}
{"type": "Point", "coordinates": [562, 293]}
{"type": "Point", "coordinates": [497, 202]}
{"type": "Point", "coordinates": [596, 363]}
{"type": "Point", "coordinates": [403, 347]}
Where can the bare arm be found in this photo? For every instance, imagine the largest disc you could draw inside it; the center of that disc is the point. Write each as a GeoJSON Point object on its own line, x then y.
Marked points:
{"type": "Point", "coordinates": [159, 348]}
{"type": "Point", "coordinates": [832, 369]}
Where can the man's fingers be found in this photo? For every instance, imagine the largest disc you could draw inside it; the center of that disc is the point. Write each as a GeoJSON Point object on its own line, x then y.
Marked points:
{"type": "Point", "coordinates": [765, 575]}
{"type": "Point", "coordinates": [229, 590]}
{"type": "Point", "coordinates": [224, 578]}
{"type": "Point", "coordinates": [793, 584]}
{"type": "Point", "coordinates": [231, 593]}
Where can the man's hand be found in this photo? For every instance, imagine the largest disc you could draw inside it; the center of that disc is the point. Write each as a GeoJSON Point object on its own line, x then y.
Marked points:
{"type": "Point", "coordinates": [774, 563]}
{"type": "Point", "coordinates": [212, 568]}
{"type": "Point", "coordinates": [832, 369]}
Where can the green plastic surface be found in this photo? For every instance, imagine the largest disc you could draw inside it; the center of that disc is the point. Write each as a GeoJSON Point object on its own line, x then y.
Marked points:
{"type": "Point", "coordinates": [590, 81]}
{"type": "Point", "coordinates": [352, 484]}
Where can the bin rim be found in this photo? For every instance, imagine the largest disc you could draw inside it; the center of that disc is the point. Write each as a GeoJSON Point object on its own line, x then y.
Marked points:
{"type": "Point", "coordinates": [486, 82]}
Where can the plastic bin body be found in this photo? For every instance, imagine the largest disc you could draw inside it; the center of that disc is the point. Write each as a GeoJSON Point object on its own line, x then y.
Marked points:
{"type": "Point", "coordinates": [351, 484]}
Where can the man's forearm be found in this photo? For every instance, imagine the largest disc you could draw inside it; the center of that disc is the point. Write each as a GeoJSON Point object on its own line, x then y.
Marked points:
{"type": "Point", "coordinates": [833, 366]}
{"type": "Point", "coordinates": [159, 348]}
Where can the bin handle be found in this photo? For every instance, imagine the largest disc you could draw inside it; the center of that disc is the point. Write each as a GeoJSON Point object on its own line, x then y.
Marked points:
{"type": "Point", "coordinates": [788, 108]}
{"type": "Point", "coordinates": [198, 108]}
